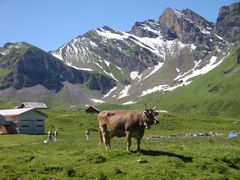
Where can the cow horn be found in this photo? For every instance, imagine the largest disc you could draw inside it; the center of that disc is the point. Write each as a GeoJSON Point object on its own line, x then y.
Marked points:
{"type": "Point", "coordinates": [155, 107]}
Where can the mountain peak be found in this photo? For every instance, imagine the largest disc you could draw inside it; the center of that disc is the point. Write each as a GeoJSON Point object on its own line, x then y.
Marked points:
{"type": "Point", "coordinates": [10, 46]}
{"type": "Point", "coordinates": [197, 19]}
{"type": "Point", "coordinates": [186, 25]}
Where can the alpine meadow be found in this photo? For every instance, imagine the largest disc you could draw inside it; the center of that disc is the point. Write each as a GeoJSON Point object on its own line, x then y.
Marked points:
{"type": "Point", "coordinates": [180, 69]}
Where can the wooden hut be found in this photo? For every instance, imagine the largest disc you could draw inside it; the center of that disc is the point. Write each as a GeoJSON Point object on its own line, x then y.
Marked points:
{"type": "Point", "coordinates": [92, 109]}
{"type": "Point", "coordinates": [23, 121]}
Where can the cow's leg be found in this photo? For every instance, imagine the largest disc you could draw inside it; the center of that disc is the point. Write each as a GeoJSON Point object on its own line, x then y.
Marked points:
{"type": "Point", "coordinates": [138, 144]}
{"type": "Point", "coordinates": [128, 136]}
{"type": "Point", "coordinates": [108, 143]}
{"type": "Point", "coordinates": [101, 137]}
{"type": "Point", "coordinates": [105, 137]}
{"type": "Point", "coordinates": [105, 140]}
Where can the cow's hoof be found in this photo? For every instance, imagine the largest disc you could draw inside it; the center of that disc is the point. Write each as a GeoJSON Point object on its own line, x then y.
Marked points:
{"type": "Point", "coordinates": [139, 151]}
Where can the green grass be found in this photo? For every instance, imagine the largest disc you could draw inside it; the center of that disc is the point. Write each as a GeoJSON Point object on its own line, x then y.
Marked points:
{"type": "Point", "coordinates": [117, 73]}
{"type": "Point", "coordinates": [73, 157]}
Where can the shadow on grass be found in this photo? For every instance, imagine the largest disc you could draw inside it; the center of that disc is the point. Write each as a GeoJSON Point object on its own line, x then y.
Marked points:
{"type": "Point", "coordinates": [163, 153]}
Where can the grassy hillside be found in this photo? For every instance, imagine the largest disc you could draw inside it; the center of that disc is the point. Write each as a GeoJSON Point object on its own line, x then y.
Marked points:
{"type": "Point", "coordinates": [7, 105]}
{"type": "Point", "coordinates": [215, 93]}
{"type": "Point", "coordinates": [73, 157]}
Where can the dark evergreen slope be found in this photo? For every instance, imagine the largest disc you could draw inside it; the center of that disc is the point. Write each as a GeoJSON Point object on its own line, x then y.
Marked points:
{"type": "Point", "coordinates": [23, 65]}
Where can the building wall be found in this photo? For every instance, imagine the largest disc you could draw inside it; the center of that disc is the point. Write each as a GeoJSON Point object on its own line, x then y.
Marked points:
{"type": "Point", "coordinates": [31, 122]}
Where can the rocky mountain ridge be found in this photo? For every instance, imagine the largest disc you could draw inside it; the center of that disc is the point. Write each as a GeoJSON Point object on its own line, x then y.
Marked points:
{"type": "Point", "coordinates": [153, 54]}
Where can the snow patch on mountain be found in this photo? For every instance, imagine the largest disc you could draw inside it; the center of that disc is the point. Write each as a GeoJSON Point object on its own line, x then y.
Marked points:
{"type": "Point", "coordinates": [109, 93]}
{"type": "Point", "coordinates": [134, 75]}
{"type": "Point", "coordinates": [155, 69]}
{"type": "Point", "coordinates": [98, 65]}
{"type": "Point", "coordinates": [110, 74]}
{"type": "Point", "coordinates": [129, 102]}
{"type": "Point", "coordinates": [97, 101]}
{"type": "Point", "coordinates": [178, 13]}
{"type": "Point", "coordinates": [155, 45]}
{"type": "Point", "coordinates": [107, 63]}
{"type": "Point", "coordinates": [164, 87]}
{"type": "Point", "coordinates": [109, 35]}
{"type": "Point", "coordinates": [93, 44]}
{"type": "Point", "coordinates": [120, 69]}
{"type": "Point", "coordinates": [193, 47]}
{"type": "Point", "coordinates": [196, 72]}
{"type": "Point", "coordinates": [82, 69]}
{"type": "Point", "coordinates": [184, 78]}
{"type": "Point", "coordinates": [124, 92]}
{"type": "Point", "coordinates": [150, 28]}
{"type": "Point", "coordinates": [58, 54]}
{"type": "Point", "coordinates": [219, 37]}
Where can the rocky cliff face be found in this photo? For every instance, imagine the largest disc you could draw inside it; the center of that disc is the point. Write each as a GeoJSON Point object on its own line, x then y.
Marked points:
{"type": "Point", "coordinates": [186, 26]}
{"type": "Point", "coordinates": [149, 28]}
{"type": "Point", "coordinates": [228, 22]}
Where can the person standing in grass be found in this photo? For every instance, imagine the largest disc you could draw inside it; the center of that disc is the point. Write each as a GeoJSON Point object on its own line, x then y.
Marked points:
{"type": "Point", "coordinates": [49, 137]}
{"type": "Point", "coordinates": [55, 134]}
{"type": "Point", "coordinates": [87, 134]}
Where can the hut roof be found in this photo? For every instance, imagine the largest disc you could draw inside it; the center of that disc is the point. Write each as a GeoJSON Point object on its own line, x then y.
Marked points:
{"type": "Point", "coordinates": [14, 112]}
{"type": "Point", "coordinates": [37, 105]}
{"type": "Point", "coordinates": [92, 109]}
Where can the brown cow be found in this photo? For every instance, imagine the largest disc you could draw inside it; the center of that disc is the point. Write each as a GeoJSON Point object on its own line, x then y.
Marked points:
{"type": "Point", "coordinates": [127, 123]}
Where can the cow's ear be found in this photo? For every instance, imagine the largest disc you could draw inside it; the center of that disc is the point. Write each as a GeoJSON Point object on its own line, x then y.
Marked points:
{"type": "Point", "coordinates": [145, 112]}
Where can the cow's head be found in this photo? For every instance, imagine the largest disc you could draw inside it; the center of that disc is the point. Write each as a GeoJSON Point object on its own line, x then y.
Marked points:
{"type": "Point", "coordinates": [149, 117]}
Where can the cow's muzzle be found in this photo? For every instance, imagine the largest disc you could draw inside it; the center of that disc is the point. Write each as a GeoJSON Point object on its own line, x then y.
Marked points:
{"type": "Point", "coordinates": [156, 121]}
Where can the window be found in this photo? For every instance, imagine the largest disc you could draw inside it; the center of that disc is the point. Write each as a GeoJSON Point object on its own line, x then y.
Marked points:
{"type": "Point", "coordinates": [39, 120]}
{"type": "Point", "coordinates": [25, 126]}
{"type": "Point", "coordinates": [24, 120]}
{"type": "Point", "coordinates": [39, 126]}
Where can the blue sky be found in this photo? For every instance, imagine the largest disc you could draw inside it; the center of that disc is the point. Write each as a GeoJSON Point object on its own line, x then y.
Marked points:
{"type": "Point", "coordinates": [49, 24]}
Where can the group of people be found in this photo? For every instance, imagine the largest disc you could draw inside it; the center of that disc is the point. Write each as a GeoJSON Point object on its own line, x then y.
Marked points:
{"type": "Point", "coordinates": [50, 134]}
{"type": "Point", "coordinates": [55, 135]}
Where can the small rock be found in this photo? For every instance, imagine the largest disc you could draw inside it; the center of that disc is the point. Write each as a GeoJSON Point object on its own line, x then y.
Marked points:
{"type": "Point", "coordinates": [141, 161]}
